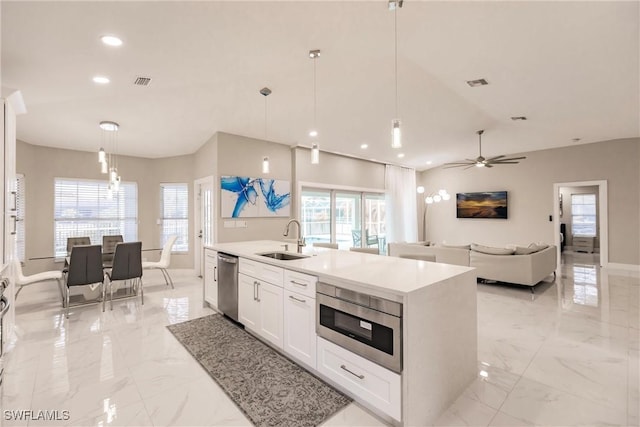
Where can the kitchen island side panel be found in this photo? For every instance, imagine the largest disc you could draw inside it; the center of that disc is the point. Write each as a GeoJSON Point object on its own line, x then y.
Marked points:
{"type": "Point", "coordinates": [440, 347]}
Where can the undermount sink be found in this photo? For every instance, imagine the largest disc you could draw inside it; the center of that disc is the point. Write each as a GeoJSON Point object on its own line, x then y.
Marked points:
{"type": "Point", "coordinates": [283, 256]}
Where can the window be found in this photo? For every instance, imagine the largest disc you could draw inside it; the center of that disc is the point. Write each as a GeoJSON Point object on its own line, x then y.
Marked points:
{"type": "Point", "coordinates": [583, 215]}
{"type": "Point", "coordinates": [175, 215]}
{"type": "Point", "coordinates": [83, 208]}
{"type": "Point", "coordinates": [19, 213]}
{"type": "Point", "coordinates": [338, 217]}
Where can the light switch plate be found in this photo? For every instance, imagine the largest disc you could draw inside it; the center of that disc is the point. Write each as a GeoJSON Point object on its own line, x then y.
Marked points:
{"type": "Point", "coordinates": [229, 224]}
{"type": "Point", "coordinates": [241, 224]}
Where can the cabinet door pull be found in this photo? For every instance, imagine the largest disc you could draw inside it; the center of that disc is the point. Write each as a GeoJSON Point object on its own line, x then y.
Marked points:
{"type": "Point", "coordinates": [297, 299]}
{"type": "Point", "coordinates": [215, 273]}
{"type": "Point", "coordinates": [15, 201]}
{"type": "Point", "coordinates": [298, 283]}
{"type": "Point", "coordinates": [351, 372]}
{"type": "Point", "coordinates": [258, 293]}
{"type": "Point", "coordinates": [255, 290]}
{"type": "Point", "coordinates": [15, 225]}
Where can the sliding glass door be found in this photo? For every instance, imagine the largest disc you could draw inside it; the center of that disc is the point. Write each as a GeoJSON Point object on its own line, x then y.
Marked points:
{"type": "Point", "coordinates": [348, 218]}
{"type": "Point", "coordinates": [315, 214]}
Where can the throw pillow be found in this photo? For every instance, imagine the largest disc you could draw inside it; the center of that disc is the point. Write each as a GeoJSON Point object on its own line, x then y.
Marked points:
{"type": "Point", "coordinates": [456, 246]}
{"type": "Point", "coordinates": [520, 250]}
{"type": "Point", "coordinates": [541, 246]}
{"type": "Point", "coordinates": [491, 250]}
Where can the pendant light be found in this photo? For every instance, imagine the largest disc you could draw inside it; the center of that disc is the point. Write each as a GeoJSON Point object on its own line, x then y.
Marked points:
{"type": "Point", "coordinates": [265, 91]}
{"type": "Point", "coordinates": [109, 161]}
{"type": "Point", "coordinates": [315, 149]}
{"type": "Point", "coordinates": [396, 133]}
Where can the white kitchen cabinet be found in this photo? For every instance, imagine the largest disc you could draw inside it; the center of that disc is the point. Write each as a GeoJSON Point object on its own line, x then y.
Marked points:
{"type": "Point", "coordinates": [271, 316]}
{"type": "Point", "coordinates": [300, 327]}
{"type": "Point", "coordinates": [260, 296]}
{"type": "Point", "coordinates": [211, 277]}
{"type": "Point", "coordinates": [248, 305]}
{"type": "Point", "coordinates": [380, 388]}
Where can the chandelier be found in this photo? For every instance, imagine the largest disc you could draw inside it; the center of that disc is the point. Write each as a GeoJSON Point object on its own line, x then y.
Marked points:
{"type": "Point", "coordinates": [109, 160]}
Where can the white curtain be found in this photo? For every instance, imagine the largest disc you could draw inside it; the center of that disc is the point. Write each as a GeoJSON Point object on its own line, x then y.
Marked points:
{"type": "Point", "coordinates": [401, 211]}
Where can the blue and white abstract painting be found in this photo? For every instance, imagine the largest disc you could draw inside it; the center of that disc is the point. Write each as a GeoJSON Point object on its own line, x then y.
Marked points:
{"type": "Point", "coordinates": [254, 197]}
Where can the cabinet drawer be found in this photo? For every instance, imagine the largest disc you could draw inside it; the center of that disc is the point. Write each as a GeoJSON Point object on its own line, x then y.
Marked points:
{"type": "Point", "coordinates": [260, 271]}
{"type": "Point", "coordinates": [369, 382]}
{"type": "Point", "coordinates": [210, 257]}
{"type": "Point", "coordinates": [301, 283]}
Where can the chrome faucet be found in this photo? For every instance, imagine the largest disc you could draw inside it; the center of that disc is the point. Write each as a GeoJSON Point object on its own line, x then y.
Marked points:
{"type": "Point", "coordinates": [300, 238]}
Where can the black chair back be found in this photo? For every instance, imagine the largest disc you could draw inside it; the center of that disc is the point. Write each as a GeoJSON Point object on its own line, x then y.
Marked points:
{"type": "Point", "coordinates": [127, 261]}
{"type": "Point", "coordinates": [109, 246]}
{"type": "Point", "coordinates": [85, 266]}
{"type": "Point", "coordinates": [77, 241]}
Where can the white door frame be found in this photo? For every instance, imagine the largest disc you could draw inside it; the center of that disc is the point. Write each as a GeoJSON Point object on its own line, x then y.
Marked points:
{"type": "Point", "coordinates": [603, 217]}
{"type": "Point", "coordinates": [197, 219]}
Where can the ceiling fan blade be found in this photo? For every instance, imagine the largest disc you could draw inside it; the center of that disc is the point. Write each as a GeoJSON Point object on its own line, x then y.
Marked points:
{"type": "Point", "coordinates": [488, 165]}
{"type": "Point", "coordinates": [510, 159]}
{"type": "Point", "coordinates": [505, 163]}
{"type": "Point", "coordinates": [495, 158]}
{"type": "Point", "coordinates": [453, 165]}
{"type": "Point", "coordinates": [469, 167]}
{"type": "Point", "coordinates": [459, 163]}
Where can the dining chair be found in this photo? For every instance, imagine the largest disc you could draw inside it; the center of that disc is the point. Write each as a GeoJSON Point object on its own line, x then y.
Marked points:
{"type": "Point", "coordinates": [163, 263]}
{"type": "Point", "coordinates": [366, 250]}
{"type": "Point", "coordinates": [85, 269]}
{"type": "Point", "coordinates": [45, 276]}
{"type": "Point", "coordinates": [372, 239]}
{"type": "Point", "coordinates": [127, 265]}
{"type": "Point", "coordinates": [108, 248]}
{"type": "Point", "coordinates": [419, 257]}
{"type": "Point", "coordinates": [325, 245]}
{"type": "Point", "coordinates": [76, 241]}
{"type": "Point", "coordinates": [356, 236]}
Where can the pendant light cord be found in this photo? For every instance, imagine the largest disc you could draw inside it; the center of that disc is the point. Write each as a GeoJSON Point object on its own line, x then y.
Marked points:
{"type": "Point", "coordinates": [315, 104]}
{"type": "Point", "coordinates": [265, 118]}
{"type": "Point", "coordinates": [395, 31]}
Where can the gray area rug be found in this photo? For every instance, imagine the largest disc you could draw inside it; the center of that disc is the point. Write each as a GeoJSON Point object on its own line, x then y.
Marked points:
{"type": "Point", "coordinates": [269, 388]}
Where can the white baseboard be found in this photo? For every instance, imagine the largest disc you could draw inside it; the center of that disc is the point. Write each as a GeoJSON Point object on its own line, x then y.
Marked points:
{"type": "Point", "coordinates": [623, 267]}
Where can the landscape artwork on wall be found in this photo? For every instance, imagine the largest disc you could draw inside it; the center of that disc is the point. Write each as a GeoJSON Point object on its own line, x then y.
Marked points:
{"type": "Point", "coordinates": [482, 205]}
{"type": "Point", "coordinates": [245, 197]}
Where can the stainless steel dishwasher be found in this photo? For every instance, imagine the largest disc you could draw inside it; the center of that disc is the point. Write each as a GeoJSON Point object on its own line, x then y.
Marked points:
{"type": "Point", "coordinates": [228, 285]}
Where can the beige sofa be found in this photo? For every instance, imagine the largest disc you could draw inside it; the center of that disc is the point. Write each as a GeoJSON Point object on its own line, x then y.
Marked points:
{"type": "Point", "coordinates": [443, 254]}
{"type": "Point", "coordinates": [526, 270]}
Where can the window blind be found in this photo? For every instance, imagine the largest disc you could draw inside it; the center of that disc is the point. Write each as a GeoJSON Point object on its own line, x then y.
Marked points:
{"type": "Point", "coordinates": [20, 216]}
{"type": "Point", "coordinates": [583, 214]}
{"type": "Point", "coordinates": [175, 215]}
{"type": "Point", "coordinates": [82, 208]}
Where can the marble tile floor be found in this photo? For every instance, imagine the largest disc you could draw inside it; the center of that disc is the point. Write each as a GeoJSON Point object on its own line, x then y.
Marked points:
{"type": "Point", "coordinates": [567, 355]}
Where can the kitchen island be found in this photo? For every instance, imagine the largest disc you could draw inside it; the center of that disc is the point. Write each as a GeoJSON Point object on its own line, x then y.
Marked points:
{"type": "Point", "coordinates": [438, 323]}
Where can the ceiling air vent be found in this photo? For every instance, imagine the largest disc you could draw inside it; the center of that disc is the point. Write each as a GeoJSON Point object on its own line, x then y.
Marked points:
{"type": "Point", "coordinates": [478, 82]}
{"type": "Point", "coordinates": [142, 81]}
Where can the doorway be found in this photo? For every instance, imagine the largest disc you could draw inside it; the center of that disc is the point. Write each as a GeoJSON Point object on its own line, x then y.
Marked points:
{"type": "Point", "coordinates": [203, 220]}
{"type": "Point", "coordinates": [563, 194]}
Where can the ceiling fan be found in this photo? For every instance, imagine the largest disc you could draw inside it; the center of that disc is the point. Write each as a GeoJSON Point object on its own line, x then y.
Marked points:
{"type": "Point", "coordinates": [481, 162]}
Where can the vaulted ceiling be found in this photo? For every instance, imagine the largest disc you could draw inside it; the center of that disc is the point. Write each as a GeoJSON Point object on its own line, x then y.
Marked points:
{"type": "Point", "coordinates": [571, 68]}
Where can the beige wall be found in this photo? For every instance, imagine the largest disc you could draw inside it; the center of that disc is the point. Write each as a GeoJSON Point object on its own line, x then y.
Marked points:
{"type": "Point", "coordinates": [242, 156]}
{"type": "Point", "coordinates": [531, 198]}
{"type": "Point", "coordinates": [40, 165]}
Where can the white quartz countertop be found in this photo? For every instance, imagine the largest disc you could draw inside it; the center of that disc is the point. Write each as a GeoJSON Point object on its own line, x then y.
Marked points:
{"type": "Point", "coordinates": [397, 276]}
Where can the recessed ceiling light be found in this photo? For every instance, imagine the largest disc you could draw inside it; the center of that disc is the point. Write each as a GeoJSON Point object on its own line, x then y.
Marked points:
{"type": "Point", "coordinates": [364, 146]}
{"type": "Point", "coordinates": [101, 80]}
{"type": "Point", "coordinates": [478, 82]}
{"type": "Point", "coordinates": [313, 133]}
{"type": "Point", "coordinates": [516, 118]}
{"type": "Point", "coordinates": [111, 40]}
{"type": "Point", "coordinates": [400, 155]}
{"type": "Point", "coordinates": [576, 140]}
{"type": "Point", "coordinates": [429, 162]}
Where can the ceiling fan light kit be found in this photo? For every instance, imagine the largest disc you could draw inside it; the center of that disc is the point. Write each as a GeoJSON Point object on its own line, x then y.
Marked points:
{"type": "Point", "coordinates": [481, 162]}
